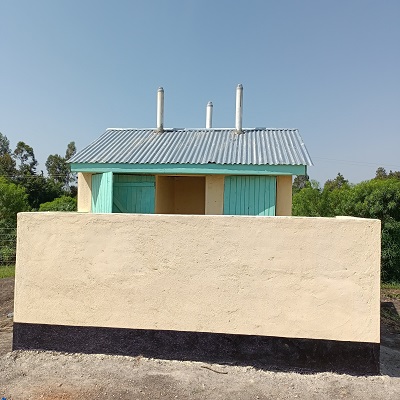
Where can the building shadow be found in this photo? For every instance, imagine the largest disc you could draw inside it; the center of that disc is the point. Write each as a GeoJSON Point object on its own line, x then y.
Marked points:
{"type": "Point", "coordinates": [263, 352]}
{"type": "Point", "coordinates": [390, 339]}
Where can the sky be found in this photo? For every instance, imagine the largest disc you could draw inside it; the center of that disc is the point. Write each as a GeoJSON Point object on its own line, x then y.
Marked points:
{"type": "Point", "coordinates": [70, 69]}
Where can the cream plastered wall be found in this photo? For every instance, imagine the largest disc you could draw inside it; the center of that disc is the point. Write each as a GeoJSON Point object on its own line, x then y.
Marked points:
{"type": "Point", "coordinates": [165, 197]}
{"type": "Point", "coordinates": [275, 276]}
{"type": "Point", "coordinates": [189, 194]}
{"type": "Point", "coordinates": [283, 195]}
{"type": "Point", "coordinates": [180, 194]}
{"type": "Point", "coordinates": [214, 194]}
{"type": "Point", "coordinates": [84, 192]}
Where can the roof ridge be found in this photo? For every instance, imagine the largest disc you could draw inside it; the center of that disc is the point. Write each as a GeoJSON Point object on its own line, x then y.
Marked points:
{"type": "Point", "coordinates": [203, 129]}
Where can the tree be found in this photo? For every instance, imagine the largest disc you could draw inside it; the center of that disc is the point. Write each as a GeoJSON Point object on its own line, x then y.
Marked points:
{"type": "Point", "coordinates": [312, 201]}
{"type": "Point", "coordinates": [59, 170]}
{"type": "Point", "coordinates": [26, 157]}
{"type": "Point", "coordinates": [336, 183]}
{"type": "Point", "coordinates": [40, 189]}
{"type": "Point", "coordinates": [380, 199]}
{"type": "Point", "coordinates": [7, 162]}
{"type": "Point", "coordinates": [307, 201]}
{"type": "Point", "coordinates": [13, 199]}
{"type": "Point", "coordinates": [4, 145]}
{"type": "Point", "coordinates": [333, 195]}
{"type": "Point", "coordinates": [380, 173]}
{"type": "Point", "coordinates": [300, 182]}
{"type": "Point", "coordinates": [394, 174]}
{"type": "Point", "coordinates": [22, 188]}
{"type": "Point", "coordinates": [71, 150]}
{"type": "Point", "coordinates": [63, 203]}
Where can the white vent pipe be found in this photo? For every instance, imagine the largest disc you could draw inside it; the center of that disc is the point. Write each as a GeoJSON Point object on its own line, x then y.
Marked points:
{"type": "Point", "coordinates": [160, 109]}
{"type": "Point", "coordinates": [209, 113]}
{"type": "Point", "coordinates": [239, 108]}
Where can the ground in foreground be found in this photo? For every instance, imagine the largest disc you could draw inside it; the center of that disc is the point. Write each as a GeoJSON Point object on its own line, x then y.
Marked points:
{"type": "Point", "coordinates": [49, 375]}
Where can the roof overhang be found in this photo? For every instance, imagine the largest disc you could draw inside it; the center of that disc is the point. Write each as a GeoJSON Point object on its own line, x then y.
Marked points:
{"type": "Point", "coordinates": [190, 169]}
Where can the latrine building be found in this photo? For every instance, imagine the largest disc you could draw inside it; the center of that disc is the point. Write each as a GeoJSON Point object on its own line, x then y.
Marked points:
{"type": "Point", "coordinates": [233, 171]}
{"type": "Point", "coordinates": [148, 280]}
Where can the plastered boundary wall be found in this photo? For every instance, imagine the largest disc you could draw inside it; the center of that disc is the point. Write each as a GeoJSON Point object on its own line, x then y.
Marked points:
{"type": "Point", "coordinates": [293, 277]}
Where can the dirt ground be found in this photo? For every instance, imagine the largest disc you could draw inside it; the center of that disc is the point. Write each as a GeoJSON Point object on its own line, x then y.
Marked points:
{"type": "Point", "coordinates": [50, 375]}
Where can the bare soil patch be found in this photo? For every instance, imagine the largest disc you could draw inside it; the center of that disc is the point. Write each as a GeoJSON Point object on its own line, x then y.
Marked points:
{"type": "Point", "coordinates": [50, 375]}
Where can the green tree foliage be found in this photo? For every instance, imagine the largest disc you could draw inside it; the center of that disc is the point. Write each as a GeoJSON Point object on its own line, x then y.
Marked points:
{"type": "Point", "coordinates": [381, 174]}
{"type": "Point", "coordinates": [307, 200]}
{"type": "Point", "coordinates": [22, 188]}
{"type": "Point", "coordinates": [394, 174]}
{"type": "Point", "coordinates": [26, 159]}
{"type": "Point", "coordinates": [20, 167]}
{"type": "Point", "coordinates": [63, 203]}
{"type": "Point", "coordinates": [4, 145]}
{"type": "Point", "coordinates": [59, 170]}
{"type": "Point", "coordinates": [300, 182]}
{"type": "Point", "coordinates": [13, 199]}
{"type": "Point", "coordinates": [7, 162]}
{"type": "Point", "coordinates": [314, 201]}
{"type": "Point", "coordinates": [380, 198]}
{"type": "Point", "coordinates": [377, 198]}
{"type": "Point", "coordinates": [337, 183]}
{"type": "Point", "coordinates": [40, 189]}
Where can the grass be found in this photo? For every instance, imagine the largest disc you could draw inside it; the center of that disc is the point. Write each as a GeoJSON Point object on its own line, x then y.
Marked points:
{"type": "Point", "coordinates": [390, 285]}
{"type": "Point", "coordinates": [391, 290]}
{"type": "Point", "coordinates": [7, 271]}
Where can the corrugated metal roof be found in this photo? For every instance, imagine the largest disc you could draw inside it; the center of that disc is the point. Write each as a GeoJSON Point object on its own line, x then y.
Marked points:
{"type": "Point", "coordinates": [257, 146]}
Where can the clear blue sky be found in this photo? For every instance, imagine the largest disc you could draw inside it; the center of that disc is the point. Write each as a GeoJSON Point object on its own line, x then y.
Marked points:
{"type": "Point", "coordinates": [70, 69]}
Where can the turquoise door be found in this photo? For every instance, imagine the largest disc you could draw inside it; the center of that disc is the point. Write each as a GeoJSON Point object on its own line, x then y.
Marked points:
{"type": "Point", "coordinates": [102, 192]}
{"type": "Point", "coordinates": [250, 195]}
{"type": "Point", "coordinates": [134, 194]}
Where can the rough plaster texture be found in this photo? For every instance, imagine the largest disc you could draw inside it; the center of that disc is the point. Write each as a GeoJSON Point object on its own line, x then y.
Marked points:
{"type": "Point", "coordinates": [290, 277]}
{"type": "Point", "coordinates": [283, 195]}
{"type": "Point", "coordinates": [84, 192]}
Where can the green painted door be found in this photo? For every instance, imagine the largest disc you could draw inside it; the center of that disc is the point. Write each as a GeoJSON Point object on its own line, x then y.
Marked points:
{"type": "Point", "coordinates": [250, 195]}
{"type": "Point", "coordinates": [134, 194]}
{"type": "Point", "coordinates": [102, 192]}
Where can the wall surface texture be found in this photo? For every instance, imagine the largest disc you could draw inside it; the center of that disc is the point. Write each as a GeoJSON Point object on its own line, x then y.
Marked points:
{"type": "Point", "coordinates": [289, 277]}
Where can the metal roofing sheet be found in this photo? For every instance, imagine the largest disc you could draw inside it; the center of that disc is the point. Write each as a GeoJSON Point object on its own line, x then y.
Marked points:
{"type": "Point", "coordinates": [257, 146]}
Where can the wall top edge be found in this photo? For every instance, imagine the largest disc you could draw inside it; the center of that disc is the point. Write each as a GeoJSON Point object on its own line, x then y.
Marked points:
{"type": "Point", "coordinates": [119, 216]}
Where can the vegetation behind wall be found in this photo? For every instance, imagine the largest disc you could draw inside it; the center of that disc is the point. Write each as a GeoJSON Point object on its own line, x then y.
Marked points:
{"type": "Point", "coordinates": [377, 198]}
{"type": "Point", "coordinates": [24, 188]}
